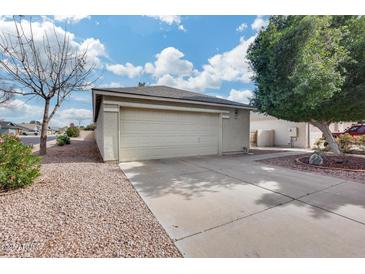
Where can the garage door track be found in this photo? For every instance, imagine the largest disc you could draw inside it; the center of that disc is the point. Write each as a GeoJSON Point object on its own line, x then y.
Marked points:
{"type": "Point", "coordinates": [233, 206]}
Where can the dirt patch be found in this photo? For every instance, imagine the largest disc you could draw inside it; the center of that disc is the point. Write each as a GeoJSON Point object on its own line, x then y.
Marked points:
{"type": "Point", "coordinates": [80, 207]}
{"type": "Point", "coordinates": [290, 162]}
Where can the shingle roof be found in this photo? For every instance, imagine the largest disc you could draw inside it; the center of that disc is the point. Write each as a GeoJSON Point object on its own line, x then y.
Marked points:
{"type": "Point", "coordinates": [8, 124]}
{"type": "Point", "coordinates": [172, 93]}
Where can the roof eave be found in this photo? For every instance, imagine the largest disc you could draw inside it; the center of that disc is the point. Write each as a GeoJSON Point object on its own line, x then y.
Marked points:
{"type": "Point", "coordinates": [96, 91]}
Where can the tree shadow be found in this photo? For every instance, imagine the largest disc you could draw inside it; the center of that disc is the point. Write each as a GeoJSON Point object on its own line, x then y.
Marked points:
{"type": "Point", "coordinates": [196, 177]}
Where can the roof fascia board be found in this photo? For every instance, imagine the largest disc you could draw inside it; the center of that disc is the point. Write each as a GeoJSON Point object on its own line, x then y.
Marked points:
{"type": "Point", "coordinates": [111, 93]}
{"type": "Point", "coordinates": [164, 107]}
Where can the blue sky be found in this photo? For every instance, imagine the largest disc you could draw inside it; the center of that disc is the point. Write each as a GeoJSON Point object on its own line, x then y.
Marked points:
{"type": "Point", "coordinates": [199, 53]}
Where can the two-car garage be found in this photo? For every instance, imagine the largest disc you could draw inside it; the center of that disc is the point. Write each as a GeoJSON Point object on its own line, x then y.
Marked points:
{"type": "Point", "coordinates": [154, 134]}
{"type": "Point", "coordinates": [158, 122]}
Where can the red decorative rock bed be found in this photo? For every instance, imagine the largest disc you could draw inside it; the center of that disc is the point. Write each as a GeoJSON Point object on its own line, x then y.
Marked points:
{"type": "Point", "coordinates": [292, 163]}
{"type": "Point", "coordinates": [349, 163]}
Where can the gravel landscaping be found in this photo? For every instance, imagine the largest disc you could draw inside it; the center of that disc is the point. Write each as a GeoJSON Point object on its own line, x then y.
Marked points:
{"type": "Point", "coordinates": [290, 162]}
{"type": "Point", "coordinates": [80, 207]}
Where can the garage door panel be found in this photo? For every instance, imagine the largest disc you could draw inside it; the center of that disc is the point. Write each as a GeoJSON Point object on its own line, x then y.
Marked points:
{"type": "Point", "coordinates": [131, 154]}
{"type": "Point", "coordinates": [153, 134]}
{"type": "Point", "coordinates": [138, 127]}
{"type": "Point", "coordinates": [148, 141]}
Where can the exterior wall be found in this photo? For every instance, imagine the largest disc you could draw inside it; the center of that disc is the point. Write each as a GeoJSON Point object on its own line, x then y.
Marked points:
{"type": "Point", "coordinates": [111, 130]}
{"type": "Point", "coordinates": [99, 131]}
{"type": "Point", "coordinates": [307, 133]}
{"type": "Point", "coordinates": [235, 128]}
{"type": "Point", "coordinates": [281, 128]}
{"type": "Point", "coordinates": [107, 132]}
{"type": "Point", "coordinates": [236, 131]}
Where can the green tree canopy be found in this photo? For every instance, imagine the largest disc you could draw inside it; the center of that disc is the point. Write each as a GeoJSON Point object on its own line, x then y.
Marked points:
{"type": "Point", "coordinates": [311, 69]}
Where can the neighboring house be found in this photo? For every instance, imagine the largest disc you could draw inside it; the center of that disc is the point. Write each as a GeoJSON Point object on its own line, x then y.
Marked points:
{"type": "Point", "coordinates": [7, 127]}
{"type": "Point", "coordinates": [31, 128]}
{"type": "Point", "coordinates": [289, 134]}
{"type": "Point", "coordinates": [154, 122]}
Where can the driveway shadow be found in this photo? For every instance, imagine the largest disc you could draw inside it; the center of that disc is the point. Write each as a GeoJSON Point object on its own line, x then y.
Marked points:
{"type": "Point", "coordinates": [192, 179]}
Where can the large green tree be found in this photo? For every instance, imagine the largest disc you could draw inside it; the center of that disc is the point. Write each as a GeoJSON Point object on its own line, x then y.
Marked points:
{"type": "Point", "coordinates": [311, 69]}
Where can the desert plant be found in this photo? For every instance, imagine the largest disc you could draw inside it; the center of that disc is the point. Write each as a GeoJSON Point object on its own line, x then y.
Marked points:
{"type": "Point", "coordinates": [18, 165]}
{"type": "Point", "coordinates": [360, 141]}
{"type": "Point", "coordinates": [345, 142]}
{"type": "Point", "coordinates": [73, 131]}
{"type": "Point", "coordinates": [318, 145]}
{"type": "Point", "coordinates": [63, 140]}
{"type": "Point", "coordinates": [90, 127]}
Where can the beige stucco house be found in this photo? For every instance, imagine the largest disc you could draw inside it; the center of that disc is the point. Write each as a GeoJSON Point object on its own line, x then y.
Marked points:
{"type": "Point", "coordinates": [286, 133]}
{"type": "Point", "coordinates": [154, 122]}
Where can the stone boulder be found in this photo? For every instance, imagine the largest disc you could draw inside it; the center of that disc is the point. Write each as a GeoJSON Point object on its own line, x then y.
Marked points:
{"type": "Point", "coordinates": [316, 159]}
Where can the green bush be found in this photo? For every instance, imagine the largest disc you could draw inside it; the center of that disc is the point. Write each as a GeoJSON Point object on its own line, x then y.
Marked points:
{"type": "Point", "coordinates": [18, 165]}
{"type": "Point", "coordinates": [73, 132]}
{"type": "Point", "coordinates": [63, 140]}
{"type": "Point", "coordinates": [90, 127]}
{"type": "Point", "coordinates": [345, 141]}
{"type": "Point", "coordinates": [319, 144]}
{"type": "Point", "coordinates": [360, 141]}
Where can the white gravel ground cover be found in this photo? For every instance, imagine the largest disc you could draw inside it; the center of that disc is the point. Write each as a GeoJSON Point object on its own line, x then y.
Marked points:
{"type": "Point", "coordinates": [80, 207]}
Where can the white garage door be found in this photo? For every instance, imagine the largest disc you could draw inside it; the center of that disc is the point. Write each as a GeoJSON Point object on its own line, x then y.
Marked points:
{"type": "Point", "coordinates": [155, 134]}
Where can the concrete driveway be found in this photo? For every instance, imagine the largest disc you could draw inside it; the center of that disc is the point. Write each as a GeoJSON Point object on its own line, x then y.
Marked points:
{"type": "Point", "coordinates": [233, 206]}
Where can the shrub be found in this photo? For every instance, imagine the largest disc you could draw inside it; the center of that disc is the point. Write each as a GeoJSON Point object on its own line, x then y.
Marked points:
{"type": "Point", "coordinates": [73, 132]}
{"type": "Point", "coordinates": [319, 144]}
{"type": "Point", "coordinates": [18, 165]}
{"type": "Point", "coordinates": [345, 141]}
{"type": "Point", "coordinates": [63, 140]}
{"type": "Point", "coordinates": [90, 127]}
{"type": "Point", "coordinates": [360, 141]}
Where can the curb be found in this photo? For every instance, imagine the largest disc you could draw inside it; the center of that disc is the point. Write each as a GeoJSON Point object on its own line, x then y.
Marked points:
{"type": "Point", "coordinates": [49, 144]}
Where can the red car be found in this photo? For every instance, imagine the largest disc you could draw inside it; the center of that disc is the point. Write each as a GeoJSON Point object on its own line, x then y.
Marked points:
{"type": "Point", "coordinates": [355, 130]}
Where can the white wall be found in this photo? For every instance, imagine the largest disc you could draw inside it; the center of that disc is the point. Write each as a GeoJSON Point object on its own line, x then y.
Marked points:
{"type": "Point", "coordinates": [281, 128]}
{"type": "Point", "coordinates": [99, 131]}
{"type": "Point", "coordinates": [236, 131]}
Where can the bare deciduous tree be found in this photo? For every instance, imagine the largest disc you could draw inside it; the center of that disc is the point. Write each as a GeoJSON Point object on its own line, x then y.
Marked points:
{"type": "Point", "coordinates": [4, 96]}
{"type": "Point", "coordinates": [50, 67]}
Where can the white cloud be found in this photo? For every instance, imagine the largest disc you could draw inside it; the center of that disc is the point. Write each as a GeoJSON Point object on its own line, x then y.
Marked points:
{"type": "Point", "coordinates": [241, 96]}
{"type": "Point", "coordinates": [170, 68]}
{"type": "Point", "coordinates": [170, 20]}
{"type": "Point", "coordinates": [169, 61]}
{"type": "Point", "coordinates": [259, 23]}
{"type": "Point", "coordinates": [71, 115]}
{"type": "Point", "coordinates": [241, 27]}
{"type": "Point", "coordinates": [19, 111]}
{"type": "Point", "coordinates": [81, 97]}
{"type": "Point", "coordinates": [95, 48]}
{"type": "Point", "coordinates": [19, 106]}
{"type": "Point", "coordinates": [112, 85]}
{"type": "Point", "coordinates": [128, 69]}
{"type": "Point", "coordinates": [181, 27]}
{"type": "Point", "coordinates": [71, 18]}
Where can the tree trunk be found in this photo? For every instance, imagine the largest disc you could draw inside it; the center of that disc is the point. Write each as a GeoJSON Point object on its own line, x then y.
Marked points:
{"type": "Point", "coordinates": [324, 127]}
{"type": "Point", "coordinates": [43, 138]}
